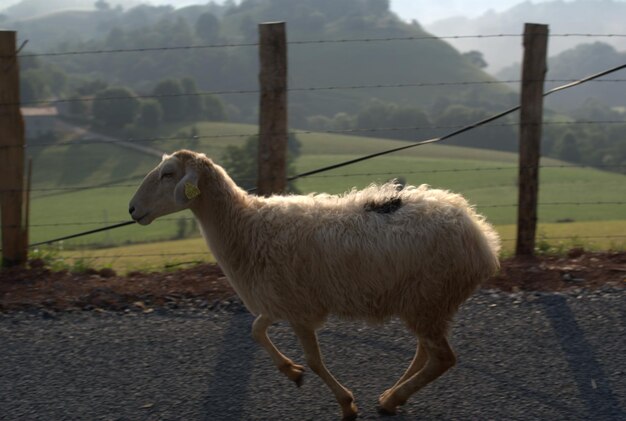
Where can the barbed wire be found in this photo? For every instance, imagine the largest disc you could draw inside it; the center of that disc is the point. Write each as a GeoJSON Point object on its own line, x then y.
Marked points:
{"type": "Point", "coordinates": [306, 42]}
{"type": "Point", "coordinates": [479, 206]}
{"type": "Point", "coordinates": [79, 254]}
{"type": "Point", "coordinates": [91, 140]}
{"type": "Point", "coordinates": [301, 89]}
{"type": "Point", "coordinates": [113, 185]}
{"type": "Point", "coordinates": [135, 256]}
{"type": "Point", "coordinates": [572, 237]}
{"type": "Point", "coordinates": [555, 204]}
{"type": "Point", "coordinates": [458, 170]}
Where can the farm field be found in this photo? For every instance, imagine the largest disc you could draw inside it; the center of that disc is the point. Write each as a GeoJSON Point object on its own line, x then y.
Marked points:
{"type": "Point", "coordinates": [486, 178]}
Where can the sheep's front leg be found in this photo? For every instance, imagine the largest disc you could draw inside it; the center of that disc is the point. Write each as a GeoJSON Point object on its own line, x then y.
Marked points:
{"type": "Point", "coordinates": [308, 340]}
{"type": "Point", "coordinates": [285, 365]}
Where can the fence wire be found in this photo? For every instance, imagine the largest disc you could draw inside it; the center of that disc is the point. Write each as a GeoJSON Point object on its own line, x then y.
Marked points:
{"type": "Point", "coordinates": [308, 42]}
{"type": "Point", "coordinates": [115, 184]}
{"type": "Point", "coordinates": [479, 206]}
{"type": "Point", "coordinates": [91, 99]}
{"type": "Point", "coordinates": [88, 256]}
{"type": "Point", "coordinates": [92, 140]}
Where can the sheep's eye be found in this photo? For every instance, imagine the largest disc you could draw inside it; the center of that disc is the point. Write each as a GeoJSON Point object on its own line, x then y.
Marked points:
{"type": "Point", "coordinates": [167, 175]}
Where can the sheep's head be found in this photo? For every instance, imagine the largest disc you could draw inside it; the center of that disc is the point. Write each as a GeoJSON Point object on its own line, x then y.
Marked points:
{"type": "Point", "coordinates": [170, 187]}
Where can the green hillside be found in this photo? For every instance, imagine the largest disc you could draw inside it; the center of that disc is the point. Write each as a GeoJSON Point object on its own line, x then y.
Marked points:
{"type": "Point", "coordinates": [413, 60]}
{"type": "Point", "coordinates": [487, 178]}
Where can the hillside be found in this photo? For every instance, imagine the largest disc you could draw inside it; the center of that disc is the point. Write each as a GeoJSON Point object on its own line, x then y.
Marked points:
{"type": "Point", "coordinates": [26, 9]}
{"type": "Point", "coordinates": [487, 178]}
{"type": "Point", "coordinates": [353, 65]}
{"type": "Point", "coordinates": [584, 59]}
{"type": "Point", "coordinates": [571, 17]}
{"type": "Point", "coordinates": [413, 61]}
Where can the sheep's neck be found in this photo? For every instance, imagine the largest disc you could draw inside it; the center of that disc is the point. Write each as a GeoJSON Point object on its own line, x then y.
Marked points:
{"type": "Point", "coordinates": [220, 210]}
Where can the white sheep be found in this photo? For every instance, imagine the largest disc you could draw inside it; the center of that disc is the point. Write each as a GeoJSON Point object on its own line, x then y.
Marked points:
{"type": "Point", "coordinates": [414, 253]}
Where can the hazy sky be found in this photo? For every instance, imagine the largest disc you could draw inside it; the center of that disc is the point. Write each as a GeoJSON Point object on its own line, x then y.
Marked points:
{"type": "Point", "coordinates": [424, 11]}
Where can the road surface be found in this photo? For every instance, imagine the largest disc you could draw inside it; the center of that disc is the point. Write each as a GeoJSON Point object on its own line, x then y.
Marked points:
{"type": "Point", "coordinates": [520, 357]}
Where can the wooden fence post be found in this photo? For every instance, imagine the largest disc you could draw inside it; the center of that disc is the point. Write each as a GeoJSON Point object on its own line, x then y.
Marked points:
{"type": "Point", "coordinates": [11, 154]}
{"type": "Point", "coordinates": [531, 117]}
{"type": "Point", "coordinates": [272, 158]}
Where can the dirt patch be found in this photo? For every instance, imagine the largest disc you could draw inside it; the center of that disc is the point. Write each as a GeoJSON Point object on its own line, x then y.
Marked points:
{"type": "Point", "coordinates": [579, 269]}
{"type": "Point", "coordinates": [36, 287]}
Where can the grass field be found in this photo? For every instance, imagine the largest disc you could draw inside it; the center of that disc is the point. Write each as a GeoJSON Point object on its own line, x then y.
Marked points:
{"type": "Point", "coordinates": [555, 237]}
{"type": "Point", "coordinates": [486, 178]}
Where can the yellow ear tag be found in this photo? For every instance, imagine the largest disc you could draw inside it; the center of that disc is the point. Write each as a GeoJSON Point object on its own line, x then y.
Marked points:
{"type": "Point", "coordinates": [191, 191]}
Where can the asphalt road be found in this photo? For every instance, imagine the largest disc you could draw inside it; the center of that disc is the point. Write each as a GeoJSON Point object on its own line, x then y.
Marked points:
{"type": "Point", "coordinates": [520, 357]}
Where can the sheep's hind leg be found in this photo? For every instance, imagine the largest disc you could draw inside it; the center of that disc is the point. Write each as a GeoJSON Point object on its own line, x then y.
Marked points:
{"type": "Point", "coordinates": [440, 359]}
{"type": "Point", "coordinates": [310, 345]}
{"type": "Point", "coordinates": [293, 371]}
{"type": "Point", "coordinates": [416, 365]}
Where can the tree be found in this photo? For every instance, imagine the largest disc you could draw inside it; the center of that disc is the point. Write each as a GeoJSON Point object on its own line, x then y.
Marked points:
{"type": "Point", "coordinates": [150, 114]}
{"type": "Point", "coordinates": [343, 121]}
{"type": "Point", "coordinates": [378, 114]}
{"type": "Point", "coordinates": [214, 109]}
{"type": "Point", "coordinates": [376, 7]}
{"type": "Point", "coordinates": [241, 162]}
{"type": "Point", "coordinates": [78, 108]}
{"type": "Point", "coordinates": [496, 137]}
{"type": "Point", "coordinates": [115, 107]}
{"type": "Point", "coordinates": [566, 148]}
{"type": "Point", "coordinates": [33, 86]}
{"type": "Point", "coordinates": [117, 38]}
{"type": "Point", "coordinates": [194, 106]}
{"type": "Point", "coordinates": [476, 58]}
{"type": "Point", "coordinates": [208, 27]}
{"type": "Point", "coordinates": [169, 94]}
{"type": "Point", "coordinates": [91, 87]}
{"type": "Point", "coordinates": [319, 122]}
{"type": "Point", "coordinates": [102, 5]}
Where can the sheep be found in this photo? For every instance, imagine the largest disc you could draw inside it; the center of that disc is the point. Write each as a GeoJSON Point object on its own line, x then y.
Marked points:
{"type": "Point", "coordinates": [413, 253]}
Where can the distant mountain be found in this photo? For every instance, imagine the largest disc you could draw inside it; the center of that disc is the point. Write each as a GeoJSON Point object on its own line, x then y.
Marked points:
{"type": "Point", "coordinates": [31, 8]}
{"type": "Point", "coordinates": [580, 61]}
{"type": "Point", "coordinates": [578, 16]}
{"type": "Point", "coordinates": [27, 9]}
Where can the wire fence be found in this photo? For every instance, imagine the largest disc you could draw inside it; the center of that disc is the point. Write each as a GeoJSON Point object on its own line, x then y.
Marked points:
{"type": "Point", "coordinates": [457, 129]}
{"type": "Point", "coordinates": [91, 99]}
{"type": "Point", "coordinates": [116, 184]}
{"type": "Point", "coordinates": [94, 139]}
{"type": "Point", "coordinates": [310, 42]}
{"type": "Point", "coordinates": [480, 206]}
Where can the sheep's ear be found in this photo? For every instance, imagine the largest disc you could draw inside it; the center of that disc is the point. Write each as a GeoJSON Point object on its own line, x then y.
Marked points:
{"type": "Point", "coordinates": [187, 188]}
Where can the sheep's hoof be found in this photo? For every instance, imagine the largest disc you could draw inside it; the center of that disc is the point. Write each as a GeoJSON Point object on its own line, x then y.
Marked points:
{"type": "Point", "coordinates": [383, 396]}
{"type": "Point", "coordinates": [299, 380]}
{"type": "Point", "coordinates": [385, 412]}
{"type": "Point", "coordinates": [386, 406]}
{"type": "Point", "coordinates": [294, 372]}
{"type": "Point", "coordinates": [350, 417]}
{"type": "Point", "coordinates": [350, 412]}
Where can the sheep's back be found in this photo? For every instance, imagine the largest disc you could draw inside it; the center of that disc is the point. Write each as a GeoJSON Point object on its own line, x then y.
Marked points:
{"type": "Point", "coordinates": [330, 254]}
